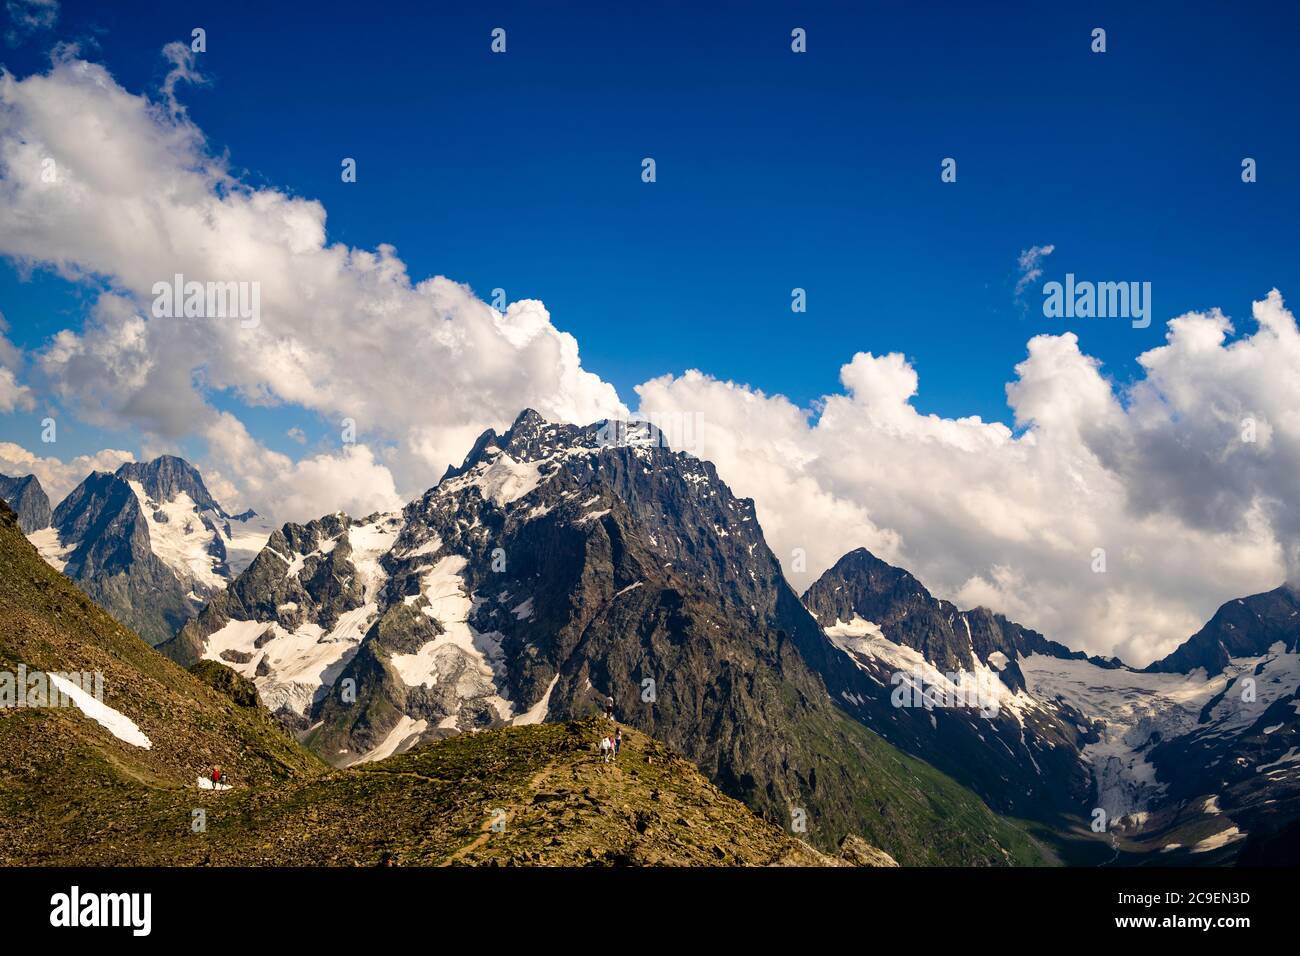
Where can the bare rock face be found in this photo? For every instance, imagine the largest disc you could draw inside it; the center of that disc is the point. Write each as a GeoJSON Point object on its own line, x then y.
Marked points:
{"type": "Point", "coordinates": [28, 499]}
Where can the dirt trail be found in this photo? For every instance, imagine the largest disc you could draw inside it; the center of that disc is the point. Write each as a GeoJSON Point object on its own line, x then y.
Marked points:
{"type": "Point", "coordinates": [485, 833]}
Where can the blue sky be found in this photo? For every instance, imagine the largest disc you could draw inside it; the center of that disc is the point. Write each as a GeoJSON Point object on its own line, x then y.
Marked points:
{"type": "Point", "coordinates": [775, 170]}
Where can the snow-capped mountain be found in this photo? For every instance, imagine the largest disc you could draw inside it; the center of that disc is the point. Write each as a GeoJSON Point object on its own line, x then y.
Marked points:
{"type": "Point", "coordinates": [1185, 757]}
{"type": "Point", "coordinates": [557, 565]}
{"type": "Point", "coordinates": [561, 564]}
{"type": "Point", "coordinates": [1019, 752]}
{"type": "Point", "coordinates": [1202, 748]}
{"type": "Point", "coordinates": [149, 543]}
{"type": "Point", "coordinates": [26, 496]}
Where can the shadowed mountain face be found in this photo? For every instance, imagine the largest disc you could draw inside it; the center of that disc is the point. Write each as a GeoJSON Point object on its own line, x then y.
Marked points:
{"type": "Point", "coordinates": [1247, 627]}
{"type": "Point", "coordinates": [148, 543]}
{"type": "Point", "coordinates": [1022, 755]}
{"type": "Point", "coordinates": [1184, 758]}
{"type": "Point", "coordinates": [557, 566]}
{"type": "Point", "coordinates": [26, 496]}
{"type": "Point", "coordinates": [105, 545]}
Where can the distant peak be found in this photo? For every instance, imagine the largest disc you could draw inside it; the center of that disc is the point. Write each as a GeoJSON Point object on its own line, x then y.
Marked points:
{"type": "Point", "coordinates": [528, 416]}
{"type": "Point", "coordinates": [167, 476]}
{"type": "Point", "coordinates": [861, 556]}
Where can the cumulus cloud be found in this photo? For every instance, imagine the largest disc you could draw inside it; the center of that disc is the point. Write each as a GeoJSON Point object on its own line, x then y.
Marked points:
{"type": "Point", "coordinates": [1030, 264]}
{"type": "Point", "coordinates": [13, 395]}
{"type": "Point", "coordinates": [242, 472]}
{"type": "Point", "coordinates": [56, 476]}
{"type": "Point", "coordinates": [420, 366]}
{"type": "Point", "coordinates": [1184, 480]}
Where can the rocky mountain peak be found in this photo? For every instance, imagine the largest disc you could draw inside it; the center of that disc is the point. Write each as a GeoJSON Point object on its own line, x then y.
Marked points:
{"type": "Point", "coordinates": [166, 477]}
{"type": "Point", "coordinates": [1245, 627]}
{"type": "Point", "coordinates": [28, 499]}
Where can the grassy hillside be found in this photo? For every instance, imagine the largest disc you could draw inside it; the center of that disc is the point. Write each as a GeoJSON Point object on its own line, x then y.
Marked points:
{"type": "Point", "coordinates": [67, 781]}
{"type": "Point", "coordinates": [912, 811]}
{"type": "Point", "coordinates": [553, 801]}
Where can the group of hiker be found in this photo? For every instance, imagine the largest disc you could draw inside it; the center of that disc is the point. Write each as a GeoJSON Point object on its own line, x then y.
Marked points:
{"type": "Point", "coordinates": [611, 743]}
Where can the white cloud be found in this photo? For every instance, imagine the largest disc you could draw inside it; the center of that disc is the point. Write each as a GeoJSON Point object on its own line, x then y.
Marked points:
{"type": "Point", "coordinates": [1030, 263]}
{"type": "Point", "coordinates": [56, 476]}
{"type": "Point", "coordinates": [184, 70]}
{"type": "Point", "coordinates": [13, 394]}
{"type": "Point", "coordinates": [421, 366]}
{"type": "Point", "coordinates": [1188, 513]}
{"type": "Point", "coordinates": [243, 473]}
{"type": "Point", "coordinates": [1158, 475]}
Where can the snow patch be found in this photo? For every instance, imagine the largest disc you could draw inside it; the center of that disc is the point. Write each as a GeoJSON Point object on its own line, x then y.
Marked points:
{"type": "Point", "coordinates": [402, 737]}
{"type": "Point", "coordinates": [117, 724]}
{"type": "Point", "coordinates": [47, 544]}
{"type": "Point", "coordinates": [537, 713]}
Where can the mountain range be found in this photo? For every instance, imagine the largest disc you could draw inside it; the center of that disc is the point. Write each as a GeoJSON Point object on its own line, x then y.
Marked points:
{"type": "Point", "coordinates": [112, 781]}
{"type": "Point", "coordinates": [148, 542]}
{"type": "Point", "coordinates": [559, 565]}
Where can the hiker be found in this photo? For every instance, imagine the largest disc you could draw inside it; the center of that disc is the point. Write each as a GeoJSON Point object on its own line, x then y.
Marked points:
{"type": "Point", "coordinates": [618, 741]}
{"type": "Point", "coordinates": [217, 777]}
{"type": "Point", "coordinates": [609, 707]}
{"type": "Point", "coordinates": [605, 748]}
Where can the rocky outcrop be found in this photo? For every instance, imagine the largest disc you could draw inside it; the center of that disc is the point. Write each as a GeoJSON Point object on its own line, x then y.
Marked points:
{"type": "Point", "coordinates": [28, 499]}
{"type": "Point", "coordinates": [858, 852]}
{"type": "Point", "coordinates": [226, 681]}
